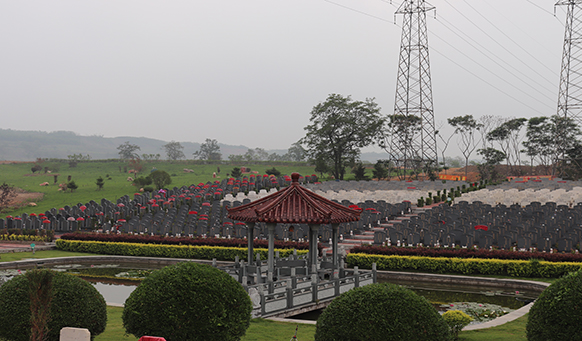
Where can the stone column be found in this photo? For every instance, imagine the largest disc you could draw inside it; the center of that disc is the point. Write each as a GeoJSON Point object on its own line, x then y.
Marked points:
{"type": "Point", "coordinates": [271, 254]}
{"type": "Point", "coordinates": [250, 237]}
{"type": "Point", "coordinates": [313, 251]}
{"type": "Point", "coordinates": [334, 238]}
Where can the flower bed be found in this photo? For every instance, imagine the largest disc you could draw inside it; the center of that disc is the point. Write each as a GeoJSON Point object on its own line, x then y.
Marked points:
{"type": "Point", "coordinates": [466, 253]}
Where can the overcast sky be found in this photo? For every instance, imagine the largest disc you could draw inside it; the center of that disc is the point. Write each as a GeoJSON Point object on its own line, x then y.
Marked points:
{"type": "Point", "coordinates": [249, 72]}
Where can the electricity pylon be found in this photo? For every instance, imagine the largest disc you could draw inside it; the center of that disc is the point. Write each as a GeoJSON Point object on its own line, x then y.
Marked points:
{"type": "Point", "coordinates": [412, 141]}
{"type": "Point", "coordinates": [570, 95]}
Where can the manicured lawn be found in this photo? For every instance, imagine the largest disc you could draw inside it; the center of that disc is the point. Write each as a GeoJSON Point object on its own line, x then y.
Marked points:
{"type": "Point", "coordinates": [10, 257]}
{"type": "Point", "coordinates": [116, 184]}
{"type": "Point", "coordinates": [514, 330]}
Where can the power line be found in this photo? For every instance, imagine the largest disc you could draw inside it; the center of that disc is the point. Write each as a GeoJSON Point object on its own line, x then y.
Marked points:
{"type": "Point", "coordinates": [357, 11]}
{"type": "Point", "coordinates": [495, 61]}
{"type": "Point", "coordinates": [507, 36]}
{"type": "Point", "coordinates": [454, 62]}
{"type": "Point", "coordinates": [545, 10]}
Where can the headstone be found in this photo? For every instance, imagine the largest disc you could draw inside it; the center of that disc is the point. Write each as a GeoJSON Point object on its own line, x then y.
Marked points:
{"type": "Point", "coordinates": [75, 334]}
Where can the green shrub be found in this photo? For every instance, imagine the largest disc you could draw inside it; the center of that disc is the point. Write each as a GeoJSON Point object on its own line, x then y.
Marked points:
{"type": "Point", "coordinates": [456, 320]}
{"type": "Point", "coordinates": [167, 251]}
{"type": "Point", "coordinates": [464, 266]}
{"type": "Point", "coordinates": [380, 312]}
{"type": "Point", "coordinates": [188, 301]}
{"type": "Point", "coordinates": [556, 314]}
{"type": "Point", "coordinates": [273, 171]}
{"type": "Point", "coordinates": [74, 303]}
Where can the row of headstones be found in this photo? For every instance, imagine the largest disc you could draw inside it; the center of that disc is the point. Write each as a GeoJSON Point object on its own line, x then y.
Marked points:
{"type": "Point", "coordinates": [384, 185]}
{"type": "Point", "coordinates": [542, 226]}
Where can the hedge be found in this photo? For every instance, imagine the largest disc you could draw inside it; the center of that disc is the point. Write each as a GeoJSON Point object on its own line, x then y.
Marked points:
{"type": "Point", "coordinates": [147, 239]}
{"type": "Point", "coordinates": [22, 237]}
{"type": "Point", "coordinates": [465, 266]}
{"type": "Point", "coordinates": [467, 253]}
{"type": "Point", "coordinates": [166, 251]}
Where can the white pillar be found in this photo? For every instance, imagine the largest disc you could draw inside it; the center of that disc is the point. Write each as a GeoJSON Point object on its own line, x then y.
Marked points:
{"type": "Point", "coordinates": [250, 237]}
{"type": "Point", "coordinates": [271, 254]}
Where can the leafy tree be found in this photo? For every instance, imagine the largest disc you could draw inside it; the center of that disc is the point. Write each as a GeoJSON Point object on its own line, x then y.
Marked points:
{"type": "Point", "coordinates": [72, 186]}
{"type": "Point", "coordinates": [273, 171]}
{"type": "Point", "coordinates": [380, 171]}
{"type": "Point", "coordinates": [466, 127]}
{"type": "Point", "coordinates": [507, 135]}
{"type": "Point", "coordinates": [321, 166]}
{"type": "Point", "coordinates": [128, 150]}
{"type": "Point", "coordinates": [296, 152]}
{"type": "Point", "coordinates": [492, 157]}
{"type": "Point", "coordinates": [174, 150]}
{"type": "Point", "coordinates": [36, 168]}
{"type": "Point", "coordinates": [100, 183]}
{"type": "Point", "coordinates": [142, 182]}
{"type": "Point", "coordinates": [7, 193]}
{"type": "Point", "coordinates": [257, 154]}
{"type": "Point", "coordinates": [236, 173]}
{"type": "Point", "coordinates": [160, 178]}
{"type": "Point", "coordinates": [233, 157]}
{"type": "Point", "coordinates": [150, 157]}
{"type": "Point", "coordinates": [209, 150]}
{"type": "Point", "coordinates": [339, 127]}
{"type": "Point", "coordinates": [540, 144]}
{"type": "Point", "coordinates": [360, 172]}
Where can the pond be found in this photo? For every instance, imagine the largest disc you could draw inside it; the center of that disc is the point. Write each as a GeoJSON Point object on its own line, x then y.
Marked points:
{"type": "Point", "coordinates": [116, 282]}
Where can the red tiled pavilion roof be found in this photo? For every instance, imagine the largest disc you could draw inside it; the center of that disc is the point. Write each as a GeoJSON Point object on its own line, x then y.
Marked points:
{"type": "Point", "coordinates": [294, 205]}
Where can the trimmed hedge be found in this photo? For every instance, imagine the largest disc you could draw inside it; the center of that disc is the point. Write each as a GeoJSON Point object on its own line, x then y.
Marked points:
{"type": "Point", "coordinates": [466, 253]}
{"type": "Point", "coordinates": [147, 239]}
{"type": "Point", "coordinates": [556, 314]}
{"type": "Point", "coordinates": [26, 234]}
{"type": "Point", "coordinates": [465, 266]}
{"type": "Point", "coordinates": [166, 251]}
{"type": "Point", "coordinates": [381, 312]}
{"type": "Point", "coordinates": [188, 301]}
{"type": "Point", "coordinates": [22, 237]}
{"type": "Point", "coordinates": [74, 303]}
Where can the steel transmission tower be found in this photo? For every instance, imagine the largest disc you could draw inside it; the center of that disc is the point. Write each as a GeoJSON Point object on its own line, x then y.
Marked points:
{"type": "Point", "coordinates": [570, 95]}
{"type": "Point", "coordinates": [412, 140]}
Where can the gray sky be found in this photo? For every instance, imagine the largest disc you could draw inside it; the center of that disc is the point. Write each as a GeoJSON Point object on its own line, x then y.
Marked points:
{"type": "Point", "coordinates": [249, 72]}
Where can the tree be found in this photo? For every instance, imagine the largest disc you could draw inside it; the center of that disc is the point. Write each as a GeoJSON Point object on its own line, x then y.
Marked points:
{"type": "Point", "coordinates": [492, 157]}
{"type": "Point", "coordinates": [128, 150]}
{"type": "Point", "coordinates": [7, 193]}
{"type": "Point", "coordinates": [236, 173]}
{"type": "Point", "coordinates": [72, 186]}
{"type": "Point", "coordinates": [257, 154]}
{"type": "Point", "coordinates": [380, 170]}
{"type": "Point", "coordinates": [151, 157]}
{"type": "Point", "coordinates": [174, 150]}
{"type": "Point", "coordinates": [209, 150]}
{"type": "Point", "coordinates": [339, 127]}
{"type": "Point", "coordinates": [160, 178]}
{"type": "Point", "coordinates": [508, 137]}
{"type": "Point", "coordinates": [540, 141]}
{"type": "Point", "coordinates": [360, 172]}
{"type": "Point", "coordinates": [296, 152]}
{"type": "Point", "coordinates": [100, 183]}
{"type": "Point", "coordinates": [466, 127]}
{"type": "Point", "coordinates": [197, 302]}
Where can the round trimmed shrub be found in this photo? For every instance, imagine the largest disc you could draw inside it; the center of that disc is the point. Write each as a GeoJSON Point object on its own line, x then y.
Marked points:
{"type": "Point", "coordinates": [188, 301]}
{"type": "Point", "coordinates": [74, 303]}
{"type": "Point", "coordinates": [381, 312]}
{"type": "Point", "coordinates": [557, 313]}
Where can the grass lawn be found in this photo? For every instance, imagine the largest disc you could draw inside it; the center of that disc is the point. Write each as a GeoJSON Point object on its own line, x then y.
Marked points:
{"type": "Point", "coordinates": [514, 330]}
{"type": "Point", "coordinates": [116, 184]}
{"type": "Point", "coordinates": [10, 257]}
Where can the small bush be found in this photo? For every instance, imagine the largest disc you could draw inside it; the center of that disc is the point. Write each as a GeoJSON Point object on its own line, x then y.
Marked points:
{"type": "Point", "coordinates": [456, 320]}
{"type": "Point", "coordinates": [74, 303]}
{"type": "Point", "coordinates": [380, 312]}
{"type": "Point", "coordinates": [273, 171]}
{"type": "Point", "coordinates": [198, 302]}
{"type": "Point", "coordinates": [556, 314]}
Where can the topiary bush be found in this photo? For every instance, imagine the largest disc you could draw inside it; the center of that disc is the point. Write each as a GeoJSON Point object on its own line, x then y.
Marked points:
{"type": "Point", "coordinates": [380, 312]}
{"type": "Point", "coordinates": [456, 320]}
{"type": "Point", "coordinates": [188, 301]}
{"type": "Point", "coordinates": [74, 302]}
{"type": "Point", "coordinates": [557, 313]}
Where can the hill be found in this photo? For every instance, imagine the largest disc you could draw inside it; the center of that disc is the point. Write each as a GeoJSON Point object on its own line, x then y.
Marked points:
{"type": "Point", "coordinates": [17, 145]}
